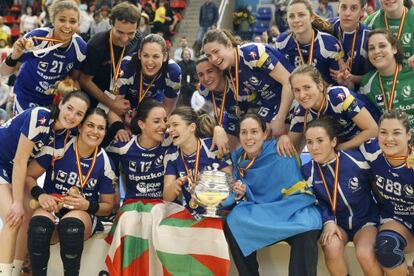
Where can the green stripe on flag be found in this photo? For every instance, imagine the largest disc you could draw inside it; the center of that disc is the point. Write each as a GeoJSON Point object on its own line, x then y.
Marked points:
{"type": "Point", "coordinates": [183, 265]}
{"type": "Point", "coordinates": [133, 247]}
{"type": "Point", "coordinates": [179, 222]}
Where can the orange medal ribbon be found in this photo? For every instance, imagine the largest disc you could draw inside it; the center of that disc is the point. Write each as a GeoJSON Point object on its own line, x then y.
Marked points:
{"type": "Point", "coordinates": [351, 57]}
{"type": "Point", "coordinates": [242, 171]}
{"type": "Point", "coordinates": [141, 95]}
{"type": "Point", "coordinates": [219, 116]}
{"type": "Point", "coordinates": [48, 39]}
{"type": "Point", "coordinates": [192, 178]}
{"type": "Point", "coordinates": [82, 180]}
{"type": "Point", "coordinates": [310, 58]}
{"type": "Point", "coordinates": [235, 80]}
{"type": "Point", "coordinates": [408, 159]}
{"type": "Point", "coordinates": [116, 68]}
{"type": "Point", "coordinates": [305, 121]}
{"type": "Point", "coordinates": [400, 27]}
{"type": "Point", "coordinates": [388, 103]}
{"type": "Point", "coordinates": [332, 197]}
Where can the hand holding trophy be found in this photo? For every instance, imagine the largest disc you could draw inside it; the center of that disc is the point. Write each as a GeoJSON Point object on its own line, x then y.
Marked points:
{"type": "Point", "coordinates": [213, 187]}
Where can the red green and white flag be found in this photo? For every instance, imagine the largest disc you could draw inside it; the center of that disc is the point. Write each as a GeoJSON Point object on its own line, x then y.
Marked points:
{"type": "Point", "coordinates": [162, 238]}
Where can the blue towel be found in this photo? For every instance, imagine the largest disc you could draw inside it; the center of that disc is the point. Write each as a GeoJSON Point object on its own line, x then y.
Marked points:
{"type": "Point", "coordinates": [278, 202]}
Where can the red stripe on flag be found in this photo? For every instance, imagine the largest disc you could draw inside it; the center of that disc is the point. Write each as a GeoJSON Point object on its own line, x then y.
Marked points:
{"type": "Point", "coordinates": [165, 272]}
{"type": "Point", "coordinates": [216, 223]}
{"type": "Point", "coordinates": [184, 214]}
{"type": "Point", "coordinates": [115, 265]}
{"type": "Point", "coordinates": [140, 266]}
{"type": "Point", "coordinates": [218, 266]}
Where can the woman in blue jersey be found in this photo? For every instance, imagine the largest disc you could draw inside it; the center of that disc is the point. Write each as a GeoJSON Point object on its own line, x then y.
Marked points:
{"type": "Point", "coordinates": [275, 204]}
{"type": "Point", "coordinates": [217, 91]}
{"type": "Point", "coordinates": [354, 122]}
{"type": "Point", "coordinates": [150, 73]}
{"type": "Point", "coordinates": [353, 35]}
{"type": "Point", "coordinates": [391, 82]}
{"type": "Point", "coordinates": [22, 138]}
{"type": "Point", "coordinates": [77, 188]}
{"type": "Point", "coordinates": [256, 71]}
{"type": "Point", "coordinates": [142, 166]}
{"type": "Point", "coordinates": [141, 158]}
{"type": "Point", "coordinates": [307, 41]}
{"type": "Point", "coordinates": [189, 156]}
{"type": "Point", "coordinates": [46, 55]}
{"type": "Point", "coordinates": [392, 163]}
{"type": "Point", "coordinates": [341, 182]}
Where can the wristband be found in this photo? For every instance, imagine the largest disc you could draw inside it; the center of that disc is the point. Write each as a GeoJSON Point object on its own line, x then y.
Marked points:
{"type": "Point", "coordinates": [10, 61]}
{"type": "Point", "coordinates": [93, 207]}
{"type": "Point", "coordinates": [36, 191]}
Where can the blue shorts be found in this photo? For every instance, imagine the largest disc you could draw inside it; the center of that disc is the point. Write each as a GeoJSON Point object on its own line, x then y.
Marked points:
{"type": "Point", "coordinates": [369, 221]}
{"type": "Point", "coordinates": [5, 173]}
{"type": "Point", "coordinates": [407, 221]}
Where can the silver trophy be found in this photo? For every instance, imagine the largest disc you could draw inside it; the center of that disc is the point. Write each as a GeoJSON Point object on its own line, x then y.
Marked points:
{"type": "Point", "coordinates": [212, 188]}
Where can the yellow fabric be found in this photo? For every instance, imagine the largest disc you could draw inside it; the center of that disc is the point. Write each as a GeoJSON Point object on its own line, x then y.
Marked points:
{"type": "Point", "coordinates": [262, 59]}
{"type": "Point", "coordinates": [348, 102]}
{"type": "Point", "coordinates": [160, 14]}
{"type": "Point", "coordinates": [299, 187]}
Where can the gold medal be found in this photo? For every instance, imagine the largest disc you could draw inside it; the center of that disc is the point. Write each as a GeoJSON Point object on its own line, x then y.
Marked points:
{"type": "Point", "coordinates": [192, 203]}
{"type": "Point", "coordinates": [410, 161]}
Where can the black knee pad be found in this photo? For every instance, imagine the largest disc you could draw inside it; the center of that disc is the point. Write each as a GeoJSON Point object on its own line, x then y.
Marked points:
{"type": "Point", "coordinates": [39, 234]}
{"type": "Point", "coordinates": [71, 232]}
{"type": "Point", "coordinates": [389, 248]}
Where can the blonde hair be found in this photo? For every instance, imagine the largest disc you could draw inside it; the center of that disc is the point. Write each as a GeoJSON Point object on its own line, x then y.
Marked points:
{"type": "Point", "coordinates": [61, 5]}
{"type": "Point", "coordinates": [312, 72]}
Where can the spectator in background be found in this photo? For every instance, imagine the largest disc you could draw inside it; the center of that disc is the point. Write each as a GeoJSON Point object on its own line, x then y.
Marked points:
{"type": "Point", "coordinates": [324, 9]}
{"type": "Point", "coordinates": [98, 25]}
{"type": "Point", "coordinates": [189, 77]}
{"type": "Point", "coordinates": [258, 39]}
{"type": "Point", "coordinates": [5, 31]}
{"type": "Point", "coordinates": [183, 45]}
{"type": "Point", "coordinates": [28, 21]}
{"type": "Point", "coordinates": [102, 3]}
{"type": "Point", "coordinates": [270, 36]}
{"type": "Point", "coordinates": [280, 15]}
{"type": "Point", "coordinates": [207, 19]}
{"type": "Point", "coordinates": [144, 26]}
{"type": "Point", "coordinates": [160, 18]}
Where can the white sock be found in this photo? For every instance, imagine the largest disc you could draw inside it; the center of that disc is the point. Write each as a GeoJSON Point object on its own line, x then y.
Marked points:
{"type": "Point", "coordinates": [6, 269]}
{"type": "Point", "coordinates": [17, 267]}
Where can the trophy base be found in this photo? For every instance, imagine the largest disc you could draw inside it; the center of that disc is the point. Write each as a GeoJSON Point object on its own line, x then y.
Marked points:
{"type": "Point", "coordinates": [211, 213]}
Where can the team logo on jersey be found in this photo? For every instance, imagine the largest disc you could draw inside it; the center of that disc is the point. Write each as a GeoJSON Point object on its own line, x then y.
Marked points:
{"type": "Point", "coordinates": [353, 184]}
{"type": "Point", "coordinates": [133, 92]}
{"type": "Point", "coordinates": [379, 99]}
{"type": "Point", "coordinates": [42, 66]}
{"type": "Point", "coordinates": [61, 176]}
{"type": "Point", "coordinates": [406, 91]}
{"type": "Point", "coordinates": [142, 187]}
{"type": "Point", "coordinates": [341, 96]}
{"type": "Point", "coordinates": [406, 38]}
{"type": "Point", "coordinates": [253, 54]}
{"type": "Point", "coordinates": [42, 121]}
{"type": "Point", "coordinates": [254, 81]}
{"type": "Point", "coordinates": [133, 166]}
{"type": "Point", "coordinates": [159, 160]}
{"type": "Point", "coordinates": [69, 66]}
{"type": "Point", "coordinates": [409, 190]}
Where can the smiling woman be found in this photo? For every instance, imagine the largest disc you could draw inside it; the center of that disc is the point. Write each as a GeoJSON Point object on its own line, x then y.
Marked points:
{"type": "Point", "coordinates": [390, 85]}
{"type": "Point", "coordinates": [46, 62]}
{"type": "Point", "coordinates": [24, 137]}
{"type": "Point", "coordinates": [78, 187]}
{"type": "Point", "coordinates": [150, 74]}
